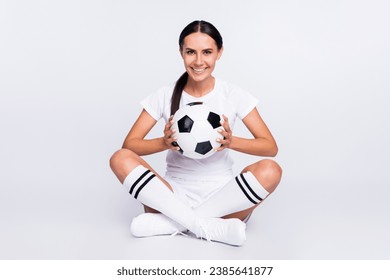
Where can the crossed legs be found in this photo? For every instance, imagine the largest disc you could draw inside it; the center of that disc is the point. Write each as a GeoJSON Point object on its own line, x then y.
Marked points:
{"type": "Point", "coordinates": [150, 189]}
{"type": "Point", "coordinates": [235, 201]}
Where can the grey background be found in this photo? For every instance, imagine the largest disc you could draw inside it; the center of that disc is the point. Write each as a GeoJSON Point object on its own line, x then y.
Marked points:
{"type": "Point", "coordinates": [73, 72]}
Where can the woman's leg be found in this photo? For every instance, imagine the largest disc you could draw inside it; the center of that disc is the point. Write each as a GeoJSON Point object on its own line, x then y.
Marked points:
{"type": "Point", "coordinates": [124, 161]}
{"type": "Point", "coordinates": [244, 193]}
{"type": "Point", "coordinates": [269, 174]}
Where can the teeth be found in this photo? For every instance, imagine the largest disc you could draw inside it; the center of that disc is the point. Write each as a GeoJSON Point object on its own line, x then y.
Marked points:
{"type": "Point", "coordinates": [199, 70]}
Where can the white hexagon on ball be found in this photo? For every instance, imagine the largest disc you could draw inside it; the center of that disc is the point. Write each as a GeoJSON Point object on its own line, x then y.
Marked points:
{"type": "Point", "coordinates": [197, 130]}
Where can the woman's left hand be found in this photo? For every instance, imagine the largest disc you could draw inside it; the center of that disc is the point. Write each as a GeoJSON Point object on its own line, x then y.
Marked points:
{"type": "Point", "coordinates": [227, 134]}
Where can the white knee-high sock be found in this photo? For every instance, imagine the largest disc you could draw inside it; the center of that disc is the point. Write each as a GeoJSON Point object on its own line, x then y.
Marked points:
{"type": "Point", "coordinates": [144, 186]}
{"type": "Point", "coordinates": [242, 192]}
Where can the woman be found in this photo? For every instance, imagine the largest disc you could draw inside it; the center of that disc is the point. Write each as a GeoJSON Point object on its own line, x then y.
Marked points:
{"type": "Point", "coordinates": [203, 195]}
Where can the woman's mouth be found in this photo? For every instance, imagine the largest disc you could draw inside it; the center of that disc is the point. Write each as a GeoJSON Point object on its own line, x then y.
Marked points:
{"type": "Point", "coordinates": [199, 70]}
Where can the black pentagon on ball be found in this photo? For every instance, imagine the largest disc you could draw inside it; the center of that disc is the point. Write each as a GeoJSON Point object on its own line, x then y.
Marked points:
{"type": "Point", "coordinates": [203, 147]}
{"type": "Point", "coordinates": [214, 119]}
{"type": "Point", "coordinates": [185, 124]}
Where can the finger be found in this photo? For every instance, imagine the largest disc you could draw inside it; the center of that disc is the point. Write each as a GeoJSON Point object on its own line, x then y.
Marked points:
{"type": "Point", "coordinates": [170, 120]}
{"type": "Point", "coordinates": [223, 132]}
{"type": "Point", "coordinates": [224, 142]}
{"type": "Point", "coordinates": [170, 137]}
{"type": "Point", "coordinates": [170, 140]}
{"type": "Point", "coordinates": [175, 146]}
{"type": "Point", "coordinates": [167, 127]}
{"type": "Point", "coordinates": [220, 148]}
{"type": "Point", "coordinates": [169, 123]}
{"type": "Point", "coordinates": [225, 119]}
{"type": "Point", "coordinates": [170, 132]}
{"type": "Point", "coordinates": [225, 123]}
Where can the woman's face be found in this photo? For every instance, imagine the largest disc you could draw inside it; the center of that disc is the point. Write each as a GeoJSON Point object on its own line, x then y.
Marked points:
{"type": "Point", "coordinates": [200, 53]}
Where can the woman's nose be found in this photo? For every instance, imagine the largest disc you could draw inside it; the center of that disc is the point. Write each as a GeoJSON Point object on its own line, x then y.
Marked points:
{"type": "Point", "coordinates": [199, 60]}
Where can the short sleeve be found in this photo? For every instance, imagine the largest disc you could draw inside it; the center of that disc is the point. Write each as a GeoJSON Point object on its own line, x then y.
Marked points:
{"type": "Point", "coordinates": [244, 102]}
{"type": "Point", "coordinates": [157, 103]}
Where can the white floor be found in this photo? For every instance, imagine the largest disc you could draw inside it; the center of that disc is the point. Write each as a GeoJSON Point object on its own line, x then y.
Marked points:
{"type": "Point", "coordinates": [58, 217]}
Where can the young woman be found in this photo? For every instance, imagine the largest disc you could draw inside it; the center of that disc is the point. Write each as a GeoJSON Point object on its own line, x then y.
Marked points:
{"type": "Point", "coordinates": [202, 196]}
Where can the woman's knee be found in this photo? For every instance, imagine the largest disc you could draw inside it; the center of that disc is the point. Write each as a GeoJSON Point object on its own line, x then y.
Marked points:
{"type": "Point", "coordinates": [122, 162]}
{"type": "Point", "coordinates": [268, 173]}
{"type": "Point", "coordinates": [119, 157]}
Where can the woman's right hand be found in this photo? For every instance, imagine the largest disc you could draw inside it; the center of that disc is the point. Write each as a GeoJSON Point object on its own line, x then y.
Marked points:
{"type": "Point", "coordinates": [169, 138]}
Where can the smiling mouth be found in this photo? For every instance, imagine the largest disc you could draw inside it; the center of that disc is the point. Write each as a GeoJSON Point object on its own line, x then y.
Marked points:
{"type": "Point", "coordinates": [199, 70]}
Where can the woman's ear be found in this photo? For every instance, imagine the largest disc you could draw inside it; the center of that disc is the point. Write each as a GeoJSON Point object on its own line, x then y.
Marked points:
{"type": "Point", "coordinates": [220, 53]}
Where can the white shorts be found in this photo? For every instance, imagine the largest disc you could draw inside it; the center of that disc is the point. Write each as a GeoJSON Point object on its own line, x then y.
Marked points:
{"type": "Point", "coordinates": [194, 191]}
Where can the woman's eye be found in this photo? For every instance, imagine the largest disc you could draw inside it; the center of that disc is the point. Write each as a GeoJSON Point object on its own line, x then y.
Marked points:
{"type": "Point", "coordinates": [207, 52]}
{"type": "Point", "coordinates": [190, 52]}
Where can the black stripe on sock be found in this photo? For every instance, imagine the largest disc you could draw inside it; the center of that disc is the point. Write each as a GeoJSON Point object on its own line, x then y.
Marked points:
{"type": "Point", "coordinates": [243, 190]}
{"type": "Point", "coordinates": [138, 180]}
{"type": "Point", "coordinates": [143, 185]}
{"type": "Point", "coordinates": [249, 188]}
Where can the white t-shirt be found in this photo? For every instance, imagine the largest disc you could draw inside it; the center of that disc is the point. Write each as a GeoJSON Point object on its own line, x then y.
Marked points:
{"type": "Point", "coordinates": [226, 99]}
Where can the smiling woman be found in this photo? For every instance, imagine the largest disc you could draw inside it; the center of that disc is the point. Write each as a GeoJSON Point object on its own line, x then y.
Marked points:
{"type": "Point", "coordinates": [200, 54]}
{"type": "Point", "coordinates": [199, 195]}
{"type": "Point", "coordinates": [201, 45]}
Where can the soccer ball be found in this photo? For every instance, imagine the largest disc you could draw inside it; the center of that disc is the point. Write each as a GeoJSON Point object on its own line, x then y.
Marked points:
{"type": "Point", "coordinates": [196, 130]}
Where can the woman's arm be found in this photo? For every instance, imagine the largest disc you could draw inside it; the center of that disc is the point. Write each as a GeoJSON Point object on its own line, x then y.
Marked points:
{"type": "Point", "coordinates": [135, 139]}
{"type": "Point", "coordinates": [263, 143]}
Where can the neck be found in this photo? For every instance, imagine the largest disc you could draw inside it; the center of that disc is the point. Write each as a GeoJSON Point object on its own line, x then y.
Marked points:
{"type": "Point", "coordinates": [199, 89]}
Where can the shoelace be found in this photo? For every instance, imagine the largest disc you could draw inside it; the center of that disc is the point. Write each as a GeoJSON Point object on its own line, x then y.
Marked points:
{"type": "Point", "coordinates": [178, 232]}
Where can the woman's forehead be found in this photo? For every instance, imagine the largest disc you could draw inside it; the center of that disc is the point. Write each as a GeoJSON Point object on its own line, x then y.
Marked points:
{"type": "Point", "coordinates": [199, 40]}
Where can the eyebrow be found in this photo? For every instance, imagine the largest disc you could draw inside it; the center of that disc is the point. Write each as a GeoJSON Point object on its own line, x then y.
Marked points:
{"type": "Point", "coordinates": [208, 49]}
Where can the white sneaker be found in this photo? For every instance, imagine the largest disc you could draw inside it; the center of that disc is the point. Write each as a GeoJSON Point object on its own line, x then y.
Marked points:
{"type": "Point", "coordinates": [151, 224]}
{"type": "Point", "coordinates": [229, 231]}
